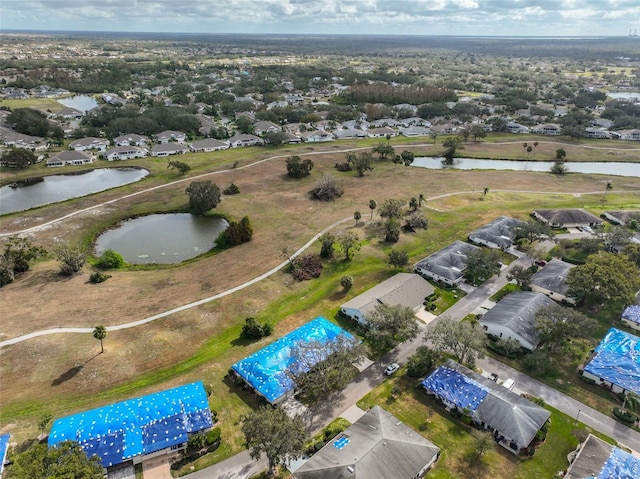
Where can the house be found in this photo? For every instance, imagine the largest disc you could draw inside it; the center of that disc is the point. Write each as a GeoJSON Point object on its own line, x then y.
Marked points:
{"type": "Point", "coordinates": [631, 316]}
{"type": "Point", "coordinates": [614, 363]}
{"type": "Point", "coordinates": [70, 113]}
{"type": "Point", "coordinates": [596, 459]}
{"type": "Point", "coordinates": [513, 127]}
{"type": "Point", "coordinates": [513, 420]}
{"type": "Point", "coordinates": [403, 289]}
{"type": "Point", "coordinates": [317, 136]}
{"type": "Point", "coordinates": [381, 132]}
{"type": "Point", "coordinates": [240, 140]}
{"type": "Point", "coordinates": [4, 448]}
{"type": "Point", "coordinates": [262, 127]}
{"type": "Point", "coordinates": [447, 265]}
{"type": "Point", "coordinates": [125, 153]}
{"type": "Point", "coordinates": [265, 372]}
{"type": "Point", "coordinates": [113, 99]}
{"type": "Point", "coordinates": [446, 129]}
{"type": "Point", "coordinates": [385, 122]}
{"type": "Point", "coordinates": [291, 138]}
{"type": "Point", "coordinates": [137, 429]}
{"type": "Point", "coordinates": [498, 234]}
{"type": "Point", "coordinates": [208, 144]}
{"type": "Point", "coordinates": [349, 134]}
{"type": "Point", "coordinates": [622, 217]}
{"type": "Point", "coordinates": [414, 131]}
{"type": "Point", "coordinates": [591, 132]}
{"type": "Point", "coordinates": [70, 157]}
{"type": "Point", "coordinates": [547, 129]}
{"type": "Point", "coordinates": [514, 317]}
{"type": "Point", "coordinates": [20, 140]}
{"type": "Point", "coordinates": [567, 218]}
{"type": "Point", "coordinates": [167, 149]}
{"type": "Point", "coordinates": [170, 135]}
{"type": "Point", "coordinates": [550, 281]}
{"type": "Point", "coordinates": [633, 135]}
{"type": "Point", "coordinates": [131, 139]}
{"type": "Point", "coordinates": [376, 445]}
{"type": "Point", "coordinates": [89, 143]}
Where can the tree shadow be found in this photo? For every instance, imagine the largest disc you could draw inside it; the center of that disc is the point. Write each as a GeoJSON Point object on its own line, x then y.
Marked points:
{"type": "Point", "coordinates": [72, 372]}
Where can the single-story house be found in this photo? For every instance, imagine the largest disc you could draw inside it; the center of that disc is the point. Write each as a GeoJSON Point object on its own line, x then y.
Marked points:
{"type": "Point", "coordinates": [376, 445]}
{"type": "Point", "coordinates": [208, 144]}
{"type": "Point", "coordinates": [317, 136]}
{"type": "Point", "coordinates": [550, 280]}
{"type": "Point", "coordinates": [268, 372]}
{"type": "Point", "coordinates": [262, 127]}
{"type": "Point", "coordinates": [447, 265]}
{"type": "Point", "coordinates": [633, 135]}
{"type": "Point", "coordinates": [381, 132]}
{"type": "Point", "coordinates": [414, 131]}
{"type": "Point", "coordinates": [138, 429]}
{"type": "Point", "coordinates": [513, 420]}
{"type": "Point", "coordinates": [125, 153]}
{"type": "Point", "coordinates": [615, 363]}
{"type": "Point", "coordinates": [70, 113]}
{"type": "Point", "coordinates": [4, 448]}
{"type": "Point", "coordinates": [567, 218]}
{"type": "Point", "coordinates": [89, 143]}
{"type": "Point", "coordinates": [622, 217]}
{"type": "Point", "coordinates": [349, 134]}
{"type": "Point", "coordinates": [242, 139]}
{"type": "Point", "coordinates": [547, 129]}
{"type": "Point", "coordinates": [170, 135]}
{"type": "Point", "coordinates": [514, 317]}
{"type": "Point", "coordinates": [70, 157]}
{"type": "Point", "coordinates": [498, 234]}
{"type": "Point", "coordinates": [20, 140]}
{"type": "Point", "coordinates": [513, 127]}
{"type": "Point", "coordinates": [596, 459]}
{"type": "Point", "coordinates": [131, 139]}
{"type": "Point", "coordinates": [591, 132]}
{"type": "Point", "coordinates": [382, 122]}
{"type": "Point", "coordinates": [168, 149]}
{"type": "Point", "coordinates": [404, 289]}
{"type": "Point", "coordinates": [631, 316]}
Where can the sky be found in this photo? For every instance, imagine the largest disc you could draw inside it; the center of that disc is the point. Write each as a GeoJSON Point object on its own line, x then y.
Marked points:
{"type": "Point", "coordinates": [392, 17]}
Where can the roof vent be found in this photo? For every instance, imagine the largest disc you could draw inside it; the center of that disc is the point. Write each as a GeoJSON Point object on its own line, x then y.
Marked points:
{"type": "Point", "coordinates": [350, 469]}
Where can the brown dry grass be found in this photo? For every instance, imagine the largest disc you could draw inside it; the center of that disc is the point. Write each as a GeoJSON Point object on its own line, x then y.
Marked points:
{"type": "Point", "coordinates": [66, 365]}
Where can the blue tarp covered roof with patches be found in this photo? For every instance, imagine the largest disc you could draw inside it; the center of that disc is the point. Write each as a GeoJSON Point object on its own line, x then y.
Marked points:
{"type": "Point", "coordinates": [617, 360]}
{"type": "Point", "coordinates": [121, 431]}
{"type": "Point", "coordinates": [456, 388]}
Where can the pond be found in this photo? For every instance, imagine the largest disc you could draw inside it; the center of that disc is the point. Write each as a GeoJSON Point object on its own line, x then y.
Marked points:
{"type": "Point", "coordinates": [84, 103]}
{"type": "Point", "coordinates": [625, 95]}
{"type": "Point", "coordinates": [605, 168]}
{"type": "Point", "coordinates": [26, 194]}
{"type": "Point", "coordinates": [162, 238]}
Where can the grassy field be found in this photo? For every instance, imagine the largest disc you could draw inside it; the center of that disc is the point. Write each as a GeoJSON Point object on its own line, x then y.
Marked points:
{"type": "Point", "coordinates": [62, 373]}
{"type": "Point", "coordinates": [42, 104]}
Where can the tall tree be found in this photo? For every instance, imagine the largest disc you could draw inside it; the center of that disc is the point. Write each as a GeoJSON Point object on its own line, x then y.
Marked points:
{"type": "Point", "coordinates": [383, 150]}
{"type": "Point", "coordinates": [100, 333]}
{"type": "Point", "coordinates": [20, 251]}
{"type": "Point", "coordinates": [392, 209]}
{"type": "Point", "coordinates": [460, 338]}
{"type": "Point", "coordinates": [327, 241]}
{"type": "Point", "coordinates": [389, 325]}
{"type": "Point", "coordinates": [605, 277]}
{"type": "Point", "coordinates": [373, 204]}
{"type": "Point", "coordinates": [203, 196]}
{"type": "Point", "coordinates": [398, 258]}
{"type": "Point", "coordinates": [521, 275]}
{"type": "Point", "coordinates": [67, 460]}
{"type": "Point", "coordinates": [71, 259]}
{"type": "Point", "coordinates": [532, 230]}
{"type": "Point", "coordinates": [482, 263]}
{"type": "Point", "coordinates": [362, 162]}
{"type": "Point", "coordinates": [298, 168]}
{"type": "Point", "coordinates": [270, 431]}
{"type": "Point", "coordinates": [18, 158]}
{"type": "Point", "coordinates": [452, 145]}
{"type": "Point", "coordinates": [557, 325]}
{"type": "Point", "coordinates": [357, 216]}
{"type": "Point", "coordinates": [349, 242]}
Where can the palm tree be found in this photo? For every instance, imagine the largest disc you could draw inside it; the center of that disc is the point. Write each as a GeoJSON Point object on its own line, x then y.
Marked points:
{"type": "Point", "coordinates": [373, 204]}
{"type": "Point", "coordinates": [100, 332]}
{"type": "Point", "coordinates": [357, 216]}
{"type": "Point", "coordinates": [608, 188]}
{"type": "Point", "coordinates": [421, 198]}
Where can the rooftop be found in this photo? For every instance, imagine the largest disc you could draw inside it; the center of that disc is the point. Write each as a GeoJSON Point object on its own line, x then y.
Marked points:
{"type": "Point", "coordinates": [597, 459]}
{"type": "Point", "coordinates": [617, 360]}
{"type": "Point", "coordinates": [552, 276]}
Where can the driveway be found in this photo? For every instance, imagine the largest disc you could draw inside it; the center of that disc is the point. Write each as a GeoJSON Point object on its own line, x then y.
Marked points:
{"type": "Point", "coordinates": [158, 467]}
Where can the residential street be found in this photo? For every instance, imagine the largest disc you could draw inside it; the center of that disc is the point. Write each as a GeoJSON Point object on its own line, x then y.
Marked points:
{"type": "Point", "coordinates": [336, 404]}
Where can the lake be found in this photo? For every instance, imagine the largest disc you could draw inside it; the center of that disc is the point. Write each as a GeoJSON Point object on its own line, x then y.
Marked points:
{"type": "Point", "coordinates": [595, 167]}
{"type": "Point", "coordinates": [54, 188]}
{"type": "Point", "coordinates": [84, 103]}
{"type": "Point", "coordinates": [625, 95]}
{"type": "Point", "coordinates": [162, 238]}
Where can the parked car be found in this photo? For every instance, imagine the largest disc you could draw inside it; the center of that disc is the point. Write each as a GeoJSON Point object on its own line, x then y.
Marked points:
{"type": "Point", "coordinates": [493, 377]}
{"type": "Point", "coordinates": [540, 262]}
{"type": "Point", "coordinates": [587, 229]}
{"type": "Point", "coordinates": [392, 368]}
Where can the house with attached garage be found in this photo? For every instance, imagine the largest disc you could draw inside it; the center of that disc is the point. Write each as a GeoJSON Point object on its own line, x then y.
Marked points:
{"type": "Point", "coordinates": [262, 127]}
{"type": "Point", "coordinates": [317, 136]}
{"type": "Point", "coordinates": [498, 234]}
{"type": "Point", "coordinates": [170, 135]}
{"type": "Point", "coordinates": [376, 445]}
{"type": "Point", "coordinates": [405, 289]}
{"type": "Point", "coordinates": [513, 420]}
{"type": "Point", "coordinates": [240, 140]}
{"type": "Point", "coordinates": [596, 459]}
{"type": "Point", "coordinates": [208, 144]}
{"type": "Point", "coordinates": [168, 149]}
{"type": "Point", "coordinates": [89, 143]}
{"type": "Point", "coordinates": [447, 265]}
{"type": "Point", "coordinates": [547, 129]}
{"type": "Point", "coordinates": [631, 316]}
{"type": "Point", "coordinates": [125, 153]}
{"type": "Point", "coordinates": [414, 131]}
{"type": "Point", "coordinates": [622, 217]}
{"type": "Point", "coordinates": [131, 139]}
{"type": "Point", "coordinates": [381, 132]}
{"type": "Point", "coordinates": [514, 316]}
{"type": "Point", "coordinates": [550, 281]}
{"type": "Point", "coordinates": [567, 218]}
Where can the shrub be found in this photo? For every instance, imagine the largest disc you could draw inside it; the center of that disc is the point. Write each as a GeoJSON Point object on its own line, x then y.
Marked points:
{"type": "Point", "coordinates": [254, 330]}
{"type": "Point", "coordinates": [232, 189]}
{"type": "Point", "coordinates": [213, 435]}
{"type": "Point", "coordinates": [625, 416]}
{"type": "Point", "coordinates": [346, 282]}
{"type": "Point", "coordinates": [327, 189]}
{"type": "Point", "coordinates": [110, 260]}
{"type": "Point", "coordinates": [99, 277]}
{"type": "Point", "coordinates": [305, 267]}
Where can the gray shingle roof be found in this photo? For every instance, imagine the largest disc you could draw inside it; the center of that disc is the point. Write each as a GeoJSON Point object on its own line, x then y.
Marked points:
{"type": "Point", "coordinates": [568, 216]}
{"type": "Point", "coordinates": [552, 276]}
{"type": "Point", "coordinates": [590, 459]}
{"type": "Point", "coordinates": [379, 446]}
{"type": "Point", "coordinates": [498, 231]}
{"type": "Point", "coordinates": [517, 312]}
{"type": "Point", "coordinates": [449, 262]}
{"type": "Point", "coordinates": [406, 289]}
{"type": "Point", "coordinates": [624, 216]}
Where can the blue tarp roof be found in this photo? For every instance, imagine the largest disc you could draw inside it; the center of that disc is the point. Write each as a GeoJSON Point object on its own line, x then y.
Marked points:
{"type": "Point", "coordinates": [620, 465]}
{"type": "Point", "coordinates": [265, 369]}
{"type": "Point", "coordinates": [617, 360]}
{"type": "Point", "coordinates": [4, 445]}
{"type": "Point", "coordinates": [455, 388]}
{"type": "Point", "coordinates": [632, 313]}
{"type": "Point", "coordinates": [137, 426]}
